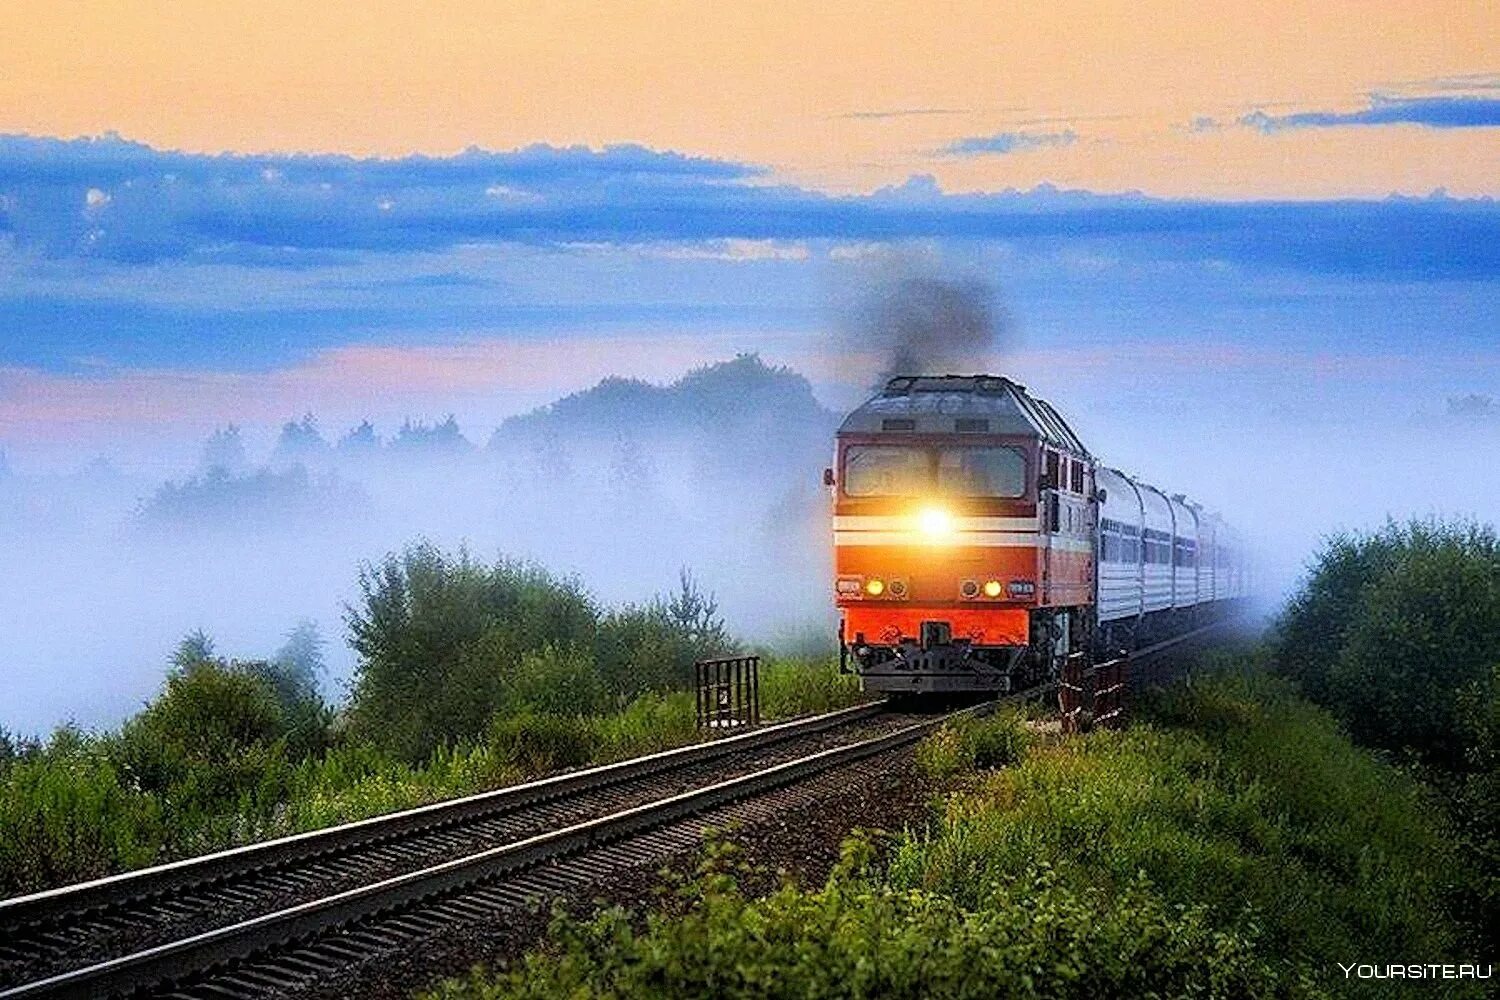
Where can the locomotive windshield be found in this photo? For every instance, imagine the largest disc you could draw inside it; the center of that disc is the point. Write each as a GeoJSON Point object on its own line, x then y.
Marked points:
{"type": "Point", "coordinates": [881, 470]}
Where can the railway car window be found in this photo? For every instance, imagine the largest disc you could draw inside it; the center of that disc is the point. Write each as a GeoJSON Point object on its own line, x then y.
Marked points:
{"type": "Point", "coordinates": [981, 472]}
{"type": "Point", "coordinates": [873, 470]}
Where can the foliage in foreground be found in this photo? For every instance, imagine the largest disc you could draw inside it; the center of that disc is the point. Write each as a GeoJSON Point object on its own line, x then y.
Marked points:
{"type": "Point", "coordinates": [1236, 845]}
{"type": "Point", "coordinates": [218, 760]}
{"type": "Point", "coordinates": [859, 936]}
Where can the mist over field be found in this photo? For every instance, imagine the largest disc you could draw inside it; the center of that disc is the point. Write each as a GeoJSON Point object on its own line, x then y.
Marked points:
{"type": "Point", "coordinates": [623, 484]}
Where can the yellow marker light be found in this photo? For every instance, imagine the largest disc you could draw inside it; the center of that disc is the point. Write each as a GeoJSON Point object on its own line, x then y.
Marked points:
{"type": "Point", "coordinates": [936, 524]}
{"type": "Point", "coordinates": [875, 586]}
{"type": "Point", "coordinates": [992, 588]}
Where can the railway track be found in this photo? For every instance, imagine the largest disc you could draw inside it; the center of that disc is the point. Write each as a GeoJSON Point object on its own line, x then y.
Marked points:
{"type": "Point", "coordinates": [271, 917]}
{"type": "Point", "coordinates": [149, 928]}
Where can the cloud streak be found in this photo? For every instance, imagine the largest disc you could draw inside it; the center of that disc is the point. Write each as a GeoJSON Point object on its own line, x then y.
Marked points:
{"type": "Point", "coordinates": [1003, 143]}
{"type": "Point", "coordinates": [1440, 111]}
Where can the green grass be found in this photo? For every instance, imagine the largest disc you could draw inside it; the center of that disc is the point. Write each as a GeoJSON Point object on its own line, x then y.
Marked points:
{"type": "Point", "coordinates": [799, 686]}
{"type": "Point", "coordinates": [1233, 843]}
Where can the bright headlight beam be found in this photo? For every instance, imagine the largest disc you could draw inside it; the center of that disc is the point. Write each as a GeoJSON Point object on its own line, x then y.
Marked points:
{"type": "Point", "coordinates": [935, 524]}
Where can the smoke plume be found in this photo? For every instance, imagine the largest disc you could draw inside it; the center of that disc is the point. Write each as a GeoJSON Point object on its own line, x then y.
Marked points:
{"type": "Point", "coordinates": [922, 324]}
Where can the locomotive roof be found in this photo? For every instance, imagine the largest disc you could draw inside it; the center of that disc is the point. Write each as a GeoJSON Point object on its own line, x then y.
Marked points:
{"type": "Point", "coordinates": [948, 404]}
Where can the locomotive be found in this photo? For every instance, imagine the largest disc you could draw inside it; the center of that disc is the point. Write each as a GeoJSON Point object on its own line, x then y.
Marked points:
{"type": "Point", "coordinates": [978, 543]}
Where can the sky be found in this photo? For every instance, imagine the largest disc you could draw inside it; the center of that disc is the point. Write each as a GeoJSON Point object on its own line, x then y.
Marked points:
{"type": "Point", "coordinates": [1254, 256]}
{"type": "Point", "coordinates": [243, 211]}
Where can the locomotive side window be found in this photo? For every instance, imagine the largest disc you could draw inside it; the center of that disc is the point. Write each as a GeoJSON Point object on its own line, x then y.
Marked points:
{"type": "Point", "coordinates": [981, 472]}
{"type": "Point", "coordinates": [873, 470]}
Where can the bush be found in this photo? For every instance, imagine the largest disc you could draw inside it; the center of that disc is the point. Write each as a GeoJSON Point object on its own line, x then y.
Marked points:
{"type": "Point", "coordinates": [537, 744]}
{"type": "Point", "coordinates": [67, 816]}
{"type": "Point", "coordinates": [791, 687]}
{"type": "Point", "coordinates": [445, 643]}
{"type": "Point", "coordinates": [1396, 632]}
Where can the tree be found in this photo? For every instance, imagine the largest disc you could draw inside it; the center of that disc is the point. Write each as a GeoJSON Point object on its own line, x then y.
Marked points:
{"type": "Point", "coordinates": [302, 654]}
{"type": "Point", "coordinates": [360, 440]}
{"type": "Point", "coordinates": [439, 636]}
{"type": "Point", "coordinates": [224, 450]}
{"type": "Point", "coordinates": [1394, 631]}
{"type": "Point", "coordinates": [300, 441]}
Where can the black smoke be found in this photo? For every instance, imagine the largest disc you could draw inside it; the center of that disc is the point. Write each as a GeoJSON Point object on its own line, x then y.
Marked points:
{"type": "Point", "coordinates": [924, 324]}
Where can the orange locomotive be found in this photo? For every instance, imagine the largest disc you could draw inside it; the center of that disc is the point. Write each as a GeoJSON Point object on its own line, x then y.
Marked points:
{"type": "Point", "coordinates": [966, 542]}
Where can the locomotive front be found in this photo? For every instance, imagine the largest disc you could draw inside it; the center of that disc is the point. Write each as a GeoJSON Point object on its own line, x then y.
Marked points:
{"type": "Point", "coordinates": [963, 560]}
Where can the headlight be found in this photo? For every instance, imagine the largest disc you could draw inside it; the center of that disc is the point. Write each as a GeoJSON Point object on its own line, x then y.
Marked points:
{"type": "Point", "coordinates": [992, 588]}
{"type": "Point", "coordinates": [936, 524]}
{"type": "Point", "coordinates": [874, 586]}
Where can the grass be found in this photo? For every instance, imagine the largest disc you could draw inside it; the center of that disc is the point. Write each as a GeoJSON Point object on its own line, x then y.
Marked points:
{"type": "Point", "coordinates": [1234, 843]}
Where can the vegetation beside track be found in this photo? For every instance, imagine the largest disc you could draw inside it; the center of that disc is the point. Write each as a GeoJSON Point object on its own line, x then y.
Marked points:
{"type": "Point", "coordinates": [1231, 843]}
{"type": "Point", "coordinates": [1247, 836]}
{"type": "Point", "coordinates": [471, 676]}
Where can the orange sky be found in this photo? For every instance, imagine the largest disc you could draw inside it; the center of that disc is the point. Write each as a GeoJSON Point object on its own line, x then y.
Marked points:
{"type": "Point", "coordinates": [769, 82]}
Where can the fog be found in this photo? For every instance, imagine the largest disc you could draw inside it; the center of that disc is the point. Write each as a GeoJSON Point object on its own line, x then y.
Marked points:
{"type": "Point", "coordinates": [107, 566]}
{"type": "Point", "coordinates": [623, 486]}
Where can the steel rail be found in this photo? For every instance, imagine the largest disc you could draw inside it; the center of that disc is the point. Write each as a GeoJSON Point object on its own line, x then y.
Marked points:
{"type": "Point", "coordinates": [169, 963]}
{"type": "Point", "coordinates": [49, 905]}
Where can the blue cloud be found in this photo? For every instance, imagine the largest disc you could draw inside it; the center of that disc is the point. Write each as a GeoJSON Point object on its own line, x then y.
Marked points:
{"type": "Point", "coordinates": [254, 259]}
{"type": "Point", "coordinates": [1009, 142]}
{"type": "Point", "coordinates": [1441, 111]}
{"type": "Point", "coordinates": [108, 200]}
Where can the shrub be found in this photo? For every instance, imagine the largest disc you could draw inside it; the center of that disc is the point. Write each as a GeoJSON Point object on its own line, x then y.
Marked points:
{"type": "Point", "coordinates": [437, 636]}
{"type": "Point", "coordinates": [650, 723]}
{"type": "Point", "coordinates": [536, 744]}
{"type": "Point", "coordinates": [1393, 631]}
{"type": "Point", "coordinates": [67, 816]}
{"type": "Point", "coordinates": [1238, 798]}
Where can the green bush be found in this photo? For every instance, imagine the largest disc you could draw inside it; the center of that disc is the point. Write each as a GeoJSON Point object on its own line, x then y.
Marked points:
{"type": "Point", "coordinates": [536, 744]}
{"type": "Point", "coordinates": [791, 687]}
{"type": "Point", "coordinates": [437, 636]}
{"type": "Point", "coordinates": [67, 816]}
{"type": "Point", "coordinates": [446, 642]}
{"type": "Point", "coordinates": [648, 724]}
{"type": "Point", "coordinates": [1397, 631]}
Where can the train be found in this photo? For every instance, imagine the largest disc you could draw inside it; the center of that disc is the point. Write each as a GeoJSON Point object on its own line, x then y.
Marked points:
{"type": "Point", "coordinates": [978, 543]}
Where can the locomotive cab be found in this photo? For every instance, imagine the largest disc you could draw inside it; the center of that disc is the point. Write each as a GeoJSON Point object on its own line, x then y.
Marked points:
{"type": "Point", "coordinates": [963, 513]}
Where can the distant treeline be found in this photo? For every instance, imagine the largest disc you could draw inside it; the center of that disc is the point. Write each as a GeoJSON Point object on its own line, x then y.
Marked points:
{"type": "Point", "coordinates": [720, 421]}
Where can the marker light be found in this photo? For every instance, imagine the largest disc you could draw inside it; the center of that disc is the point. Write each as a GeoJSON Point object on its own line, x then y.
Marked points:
{"type": "Point", "coordinates": [992, 588]}
{"type": "Point", "coordinates": [875, 586]}
{"type": "Point", "coordinates": [936, 524]}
